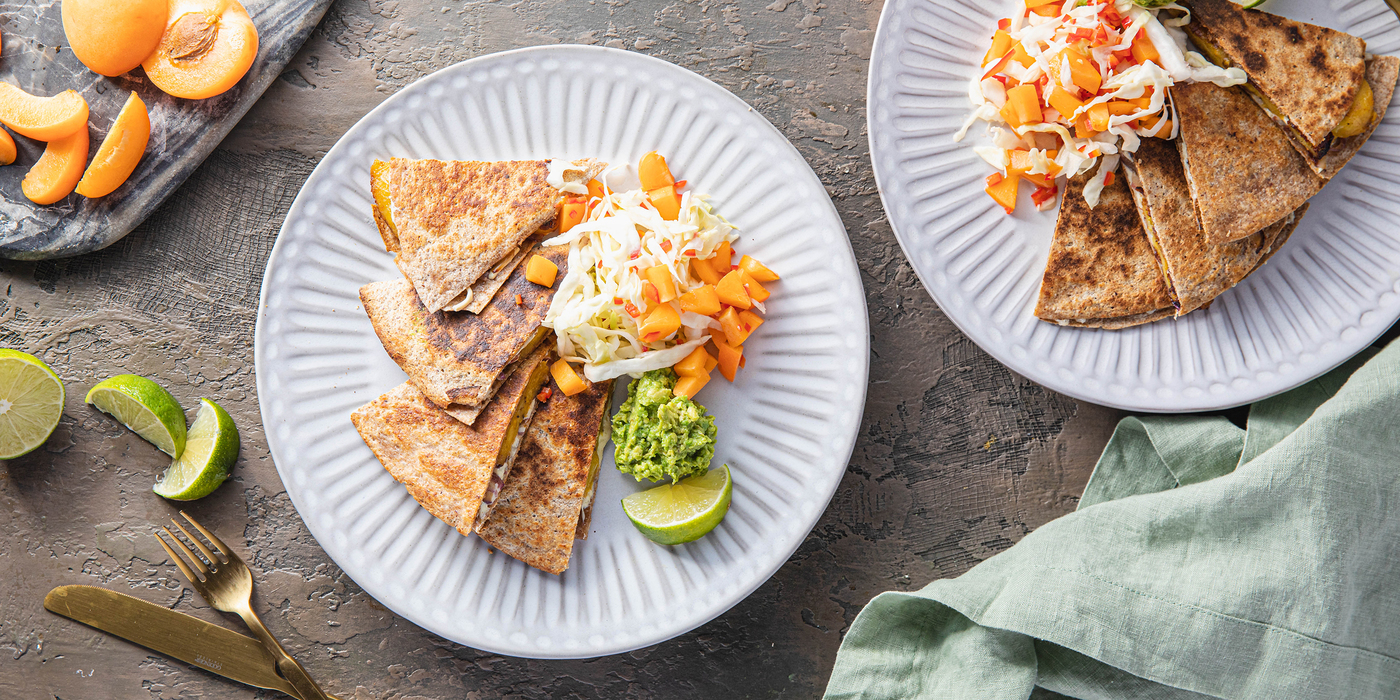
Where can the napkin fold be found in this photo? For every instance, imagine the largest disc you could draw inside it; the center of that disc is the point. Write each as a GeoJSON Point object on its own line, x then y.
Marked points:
{"type": "Point", "coordinates": [1203, 561]}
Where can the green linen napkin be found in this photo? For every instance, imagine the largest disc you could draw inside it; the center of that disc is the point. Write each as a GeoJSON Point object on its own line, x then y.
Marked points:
{"type": "Point", "coordinates": [1203, 561]}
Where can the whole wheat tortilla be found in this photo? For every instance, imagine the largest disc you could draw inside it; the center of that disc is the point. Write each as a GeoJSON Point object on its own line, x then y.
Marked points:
{"type": "Point", "coordinates": [1242, 173]}
{"type": "Point", "coordinates": [539, 511]}
{"type": "Point", "coordinates": [1197, 271]}
{"type": "Point", "coordinates": [445, 464]}
{"type": "Point", "coordinates": [1101, 270]}
{"type": "Point", "coordinates": [458, 357]}
{"type": "Point", "coordinates": [455, 220]}
{"type": "Point", "coordinates": [1311, 72]}
{"type": "Point", "coordinates": [486, 286]}
{"type": "Point", "coordinates": [1381, 73]}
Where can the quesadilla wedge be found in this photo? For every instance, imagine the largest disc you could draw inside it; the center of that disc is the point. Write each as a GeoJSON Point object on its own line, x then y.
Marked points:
{"type": "Point", "coordinates": [451, 222]}
{"type": "Point", "coordinates": [453, 470]}
{"type": "Point", "coordinates": [547, 501]}
{"type": "Point", "coordinates": [1196, 271]}
{"type": "Point", "coordinates": [458, 360]}
{"type": "Point", "coordinates": [1101, 271]}
{"type": "Point", "coordinates": [1242, 174]}
{"type": "Point", "coordinates": [1314, 82]}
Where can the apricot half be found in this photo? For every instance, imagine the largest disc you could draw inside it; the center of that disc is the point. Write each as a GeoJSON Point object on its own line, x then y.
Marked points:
{"type": "Point", "coordinates": [120, 151]}
{"type": "Point", "coordinates": [7, 148]}
{"type": "Point", "coordinates": [58, 170]}
{"type": "Point", "coordinates": [42, 118]}
{"type": "Point", "coordinates": [207, 47]}
{"type": "Point", "coordinates": [113, 36]}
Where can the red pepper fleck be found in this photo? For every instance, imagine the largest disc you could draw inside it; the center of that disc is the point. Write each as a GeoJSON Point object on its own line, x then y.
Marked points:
{"type": "Point", "coordinates": [733, 268]}
{"type": "Point", "coordinates": [690, 253]}
{"type": "Point", "coordinates": [666, 246]}
{"type": "Point", "coordinates": [617, 300]}
{"type": "Point", "coordinates": [679, 185]}
{"type": "Point", "coordinates": [1004, 23]}
{"type": "Point", "coordinates": [1108, 180]}
{"type": "Point", "coordinates": [632, 310]}
{"type": "Point", "coordinates": [649, 290]}
{"type": "Point", "coordinates": [635, 254]}
{"type": "Point", "coordinates": [545, 394]}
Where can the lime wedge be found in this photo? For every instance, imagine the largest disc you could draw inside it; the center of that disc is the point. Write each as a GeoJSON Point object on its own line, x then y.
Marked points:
{"type": "Point", "coordinates": [1246, 4]}
{"type": "Point", "coordinates": [209, 455]}
{"type": "Point", "coordinates": [31, 402]}
{"type": "Point", "coordinates": [145, 407]}
{"type": "Point", "coordinates": [681, 512]}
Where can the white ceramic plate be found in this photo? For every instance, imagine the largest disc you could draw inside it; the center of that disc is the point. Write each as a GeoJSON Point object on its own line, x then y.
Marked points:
{"type": "Point", "coordinates": [786, 427]}
{"type": "Point", "coordinates": [1327, 294]}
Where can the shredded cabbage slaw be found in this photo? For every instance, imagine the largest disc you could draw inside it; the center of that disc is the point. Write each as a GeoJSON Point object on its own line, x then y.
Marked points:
{"type": "Point", "coordinates": [600, 302]}
{"type": "Point", "coordinates": [1055, 143]}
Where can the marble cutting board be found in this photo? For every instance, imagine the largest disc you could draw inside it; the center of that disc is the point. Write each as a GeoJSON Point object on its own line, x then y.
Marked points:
{"type": "Point", "coordinates": [35, 56]}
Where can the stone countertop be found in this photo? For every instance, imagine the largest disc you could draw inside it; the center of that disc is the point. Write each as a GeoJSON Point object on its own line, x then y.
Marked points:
{"type": "Point", "coordinates": [957, 459]}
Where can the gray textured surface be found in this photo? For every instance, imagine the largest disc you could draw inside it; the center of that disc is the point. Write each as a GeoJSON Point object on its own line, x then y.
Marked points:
{"type": "Point", "coordinates": [957, 458]}
{"type": "Point", "coordinates": [183, 132]}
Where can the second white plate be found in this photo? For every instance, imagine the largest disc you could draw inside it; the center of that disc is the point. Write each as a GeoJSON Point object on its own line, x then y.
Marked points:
{"type": "Point", "coordinates": [1327, 294]}
{"type": "Point", "coordinates": [786, 426]}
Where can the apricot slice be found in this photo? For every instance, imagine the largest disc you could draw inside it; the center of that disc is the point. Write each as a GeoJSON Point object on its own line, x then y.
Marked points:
{"type": "Point", "coordinates": [42, 118]}
{"type": "Point", "coordinates": [7, 148]}
{"type": "Point", "coordinates": [120, 151]}
{"type": "Point", "coordinates": [58, 170]}
{"type": "Point", "coordinates": [207, 47]}
{"type": "Point", "coordinates": [113, 36]}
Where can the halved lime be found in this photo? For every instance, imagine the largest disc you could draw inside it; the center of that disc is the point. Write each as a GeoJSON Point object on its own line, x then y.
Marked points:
{"type": "Point", "coordinates": [681, 512]}
{"type": "Point", "coordinates": [1246, 4]}
{"type": "Point", "coordinates": [31, 402]}
{"type": "Point", "coordinates": [145, 407]}
{"type": "Point", "coordinates": [209, 455]}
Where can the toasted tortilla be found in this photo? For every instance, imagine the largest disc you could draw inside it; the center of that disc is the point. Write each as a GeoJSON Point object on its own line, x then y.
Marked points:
{"type": "Point", "coordinates": [1310, 72]}
{"type": "Point", "coordinates": [1101, 271]}
{"type": "Point", "coordinates": [1381, 73]}
{"type": "Point", "coordinates": [458, 359]}
{"type": "Point", "coordinates": [452, 221]}
{"type": "Point", "coordinates": [543, 504]}
{"type": "Point", "coordinates": [445, 465]}
{"type": "Point", "coordinates": [485, 288]}
{"type": "Point", "coordinates": [1196, 270]}
{"type": "Point", "coordinates": [1243, 175]}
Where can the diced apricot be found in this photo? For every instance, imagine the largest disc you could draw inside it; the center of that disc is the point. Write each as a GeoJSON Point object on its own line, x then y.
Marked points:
{"type": "Point", "coordinates": [1119, 108]}
{"type": "Point", "coordinates": [1098, 117]}
{"type": "Point", "coordinates": [1019, 55]}
{"type": "Point", "coordinates": [596, 189]}
{"type": "Point", "coordinates": [1144, 51]}
{"type": "Point", "coordinates": [723, 260]}
{"type": "Point", "coordinates": [756, 291]}
{"type": "Point", "coordinates": [729, 358]}
{"type": "Point", "coordinates": [757, 270]}
{"type": "Point", "coordinates": [689, 386]}
{"type": "Point", "coordinates": [568, 380]}
{"type": "Point", "coordinates": [1001, 43]}
{"type": "Point", "coordinates": [207, 47]}
{"type": "Point", "coordinates": [660, 277]}
{"type": "Point", "coordinates": [1021, 165]}
{"type": "Point", "coordinates": [666, 201]}
{"type": "Point", "coordinates": [746, 322]}
{"type": "Point", "coordinates": [1083, 72]}
{"type": "Point", "coordinates": [1063, 102]}
{"type": "Point", "coordinates": [703, 300]}
{"type": "Point", "coordinates": [653, 172]}
{"type": "Point", "coordinates": [120, 151]}
{"type": "Point", "coordinates": [731, 290]}
{"type": "Point", "coordinates": [541, 271]}
{"type": "Point", "coordinates": [8, 152]}
{"type": "Point", "coordinates": [58, 170]}
{"type": "Point", "coordinates": [1025, 102]}
{"type": "Point", "coordinates": [571, 213]}
{"type": "Point", "coordinates": [42, 118]}
{"type": "Point", "coordinates": [111, 37]}
{"type": "Point", "coordinates": [1004, 190]}
{"type": "Point", "coordinates": [704, 271]}
{"type": "Point", "coordinates": [660, 324]}
{"type": "Point", "coordinates": [1045, 10]}
{"type": "Point", "coordinates": [1032, 4]}
{"type": "Point", "coordinates": [697, 362]}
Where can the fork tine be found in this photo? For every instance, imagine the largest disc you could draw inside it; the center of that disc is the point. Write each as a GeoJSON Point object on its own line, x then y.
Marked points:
{"type": "Point", "coordinates": [213, 561]}
{"type": "Point", "coordinates": [184, 568]}
{"type": "Point", "coordinates": [218, 543]}
{"type": "Point", "coordinates": [191, 558]}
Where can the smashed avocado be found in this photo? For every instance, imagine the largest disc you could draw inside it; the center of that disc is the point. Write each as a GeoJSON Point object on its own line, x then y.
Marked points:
{"type": "Point", "coordinates": [658, 434]}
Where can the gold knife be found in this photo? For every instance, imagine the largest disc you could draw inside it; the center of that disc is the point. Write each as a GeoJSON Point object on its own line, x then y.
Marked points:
{"type": "Point", "coordinates": [213, 648]}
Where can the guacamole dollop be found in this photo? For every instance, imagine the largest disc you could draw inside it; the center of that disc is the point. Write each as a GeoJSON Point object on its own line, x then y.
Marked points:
{"type": "Point", "coordinates": [658, 434]}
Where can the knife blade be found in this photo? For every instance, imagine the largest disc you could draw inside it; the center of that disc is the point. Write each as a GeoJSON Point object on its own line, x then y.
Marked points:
{"type": "Point", "coordinates": [213, 648]}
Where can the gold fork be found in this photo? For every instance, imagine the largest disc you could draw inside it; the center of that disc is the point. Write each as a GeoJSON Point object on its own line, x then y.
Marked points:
{"type": "Point", "coordinates": [227, 585]}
